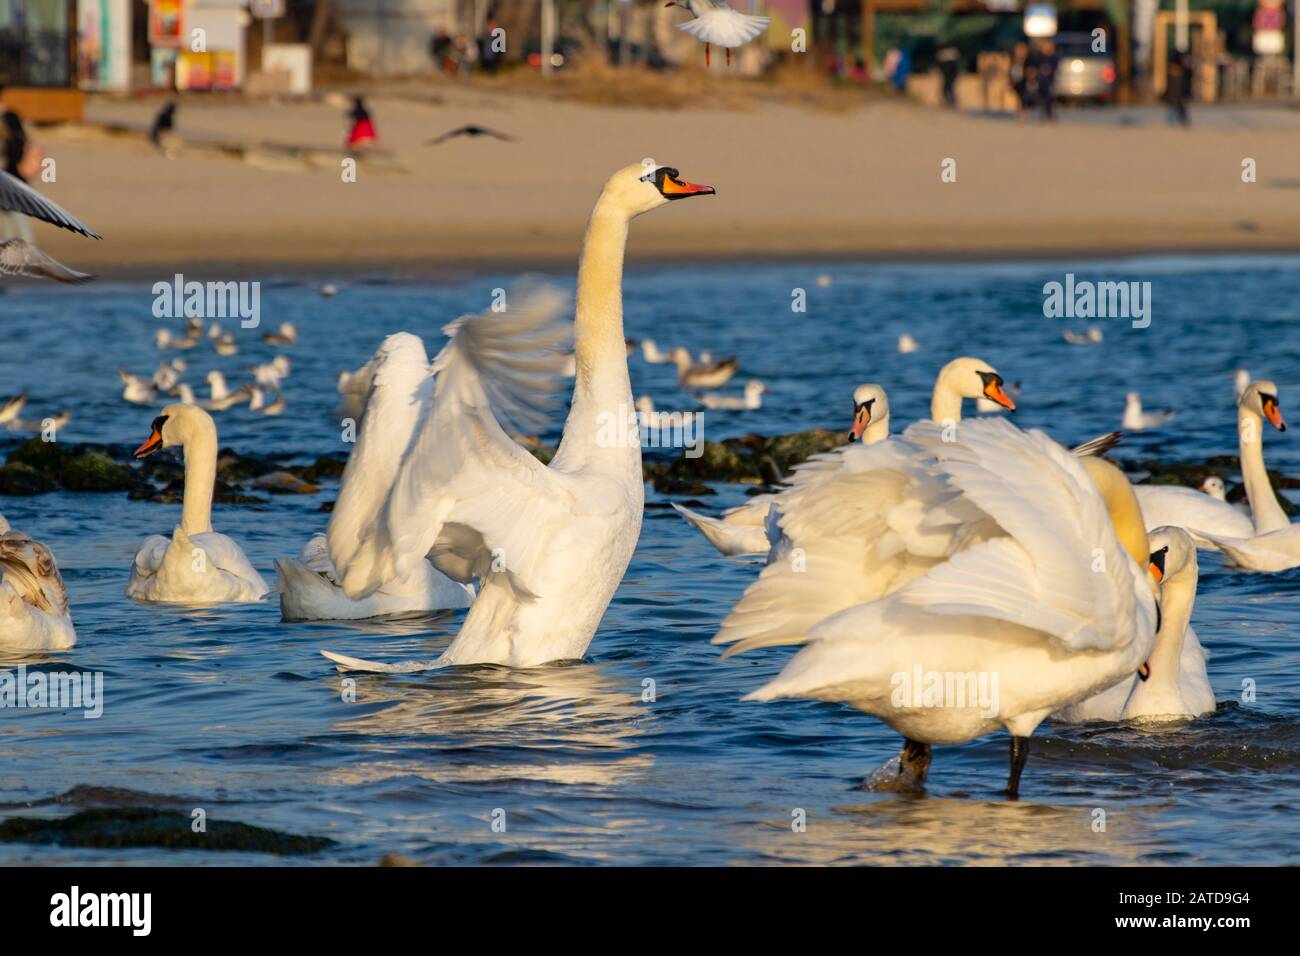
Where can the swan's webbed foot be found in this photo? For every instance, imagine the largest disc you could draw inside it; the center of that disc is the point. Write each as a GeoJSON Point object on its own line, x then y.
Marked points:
{"type": "Point", "coordinates": [1019, 754]}
{"type": "Point", "coordinates": [904, 773]}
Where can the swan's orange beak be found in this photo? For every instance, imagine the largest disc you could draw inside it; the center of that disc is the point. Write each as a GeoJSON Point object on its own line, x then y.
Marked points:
{"type": "Point", "coordinates": [1274, 414]}
{"type": "Point", "coordinates": [1144, 672]}
{"type": "Point", "coordinates": [674, 188]}
{"type": "Point", "coordinates": [994, 393]}
{"type": "Point", "coordinates": [1157, 572]}
{"type": "Point", "coordinates": [861, 419]}
{"type": "Point", "coordinates": [155, 440]}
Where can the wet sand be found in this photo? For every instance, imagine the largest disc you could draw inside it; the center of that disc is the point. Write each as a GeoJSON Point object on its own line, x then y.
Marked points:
{"type": "Point", "coordinates": [793, 182]}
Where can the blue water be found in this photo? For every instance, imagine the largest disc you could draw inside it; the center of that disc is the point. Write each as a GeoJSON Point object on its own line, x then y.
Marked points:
{"type": "Point", "coordinates": [232, 711]}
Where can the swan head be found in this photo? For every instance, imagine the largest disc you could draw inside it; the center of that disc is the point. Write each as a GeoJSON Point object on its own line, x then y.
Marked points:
{"type": "Point", "coordinates": [639, 188]}
{"type": "Point", "coordinates": [176, 425]}
{"type": "Point", "coordinates": [870, 404]}
{"type": "Point", "coordinates": [976, 378]}
{"type": "Point", "coordinates": [1213, 486]}
{"type": "Point", "coordinates": [1260, 397]}
{"type": "Point", "coordinates": [1172, 552]}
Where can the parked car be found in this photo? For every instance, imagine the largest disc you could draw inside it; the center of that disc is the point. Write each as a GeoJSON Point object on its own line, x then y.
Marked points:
{"type": "Point", "coordinates": [1083, 74]}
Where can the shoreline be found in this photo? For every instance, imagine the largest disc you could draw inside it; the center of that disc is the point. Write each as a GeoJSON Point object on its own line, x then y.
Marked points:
{"type": "Point", "coordinates": [452, 270]}
{"type": "Point", "coordinates": [794, 185]}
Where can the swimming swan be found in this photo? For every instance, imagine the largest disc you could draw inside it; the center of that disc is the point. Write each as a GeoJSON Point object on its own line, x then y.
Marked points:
{"type": "Point", "coordinates": [196, 565]}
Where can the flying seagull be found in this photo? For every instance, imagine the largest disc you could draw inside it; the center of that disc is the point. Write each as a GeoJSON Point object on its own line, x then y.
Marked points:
{"type": "Point", "coordinates": [21, 258]}
{"type": "Point", "coordinates": [716, 22]}
{"type": "Point", "coordinates": [470, 131]}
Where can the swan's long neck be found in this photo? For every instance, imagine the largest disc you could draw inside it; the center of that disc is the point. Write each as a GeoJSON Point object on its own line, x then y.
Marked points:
{"type": "Point", "coordinates": [1123, 508]}
{"type": "Point", "coordinates": [200, 479]}
{"type": "Point", "coordinates": [945, 403]}
{"type": "Point", "coordinates": [1177, 595]}
{"type": "Point", "coordinates": [602, 391]}
{"type": "Point", "coordinates": [1264, 509]}
{"type": "Point", "coordinates": [878, 430]}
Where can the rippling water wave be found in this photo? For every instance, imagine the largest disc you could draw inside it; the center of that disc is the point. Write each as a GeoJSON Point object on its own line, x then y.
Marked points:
{"type": "Point", "coordinates": [231, 710]}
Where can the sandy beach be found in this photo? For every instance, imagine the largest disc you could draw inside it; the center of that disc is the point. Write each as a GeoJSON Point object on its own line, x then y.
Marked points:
{"type": "Point", "coordinates": [793, 181]}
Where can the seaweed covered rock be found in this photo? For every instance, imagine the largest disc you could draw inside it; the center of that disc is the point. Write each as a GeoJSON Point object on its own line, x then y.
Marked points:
{"type": "Point", "coordinates": [120, 828]}
{"type": "Point", "coordinates": [749, 459]}
{"type": "Point", "coordinates": [73, 467]}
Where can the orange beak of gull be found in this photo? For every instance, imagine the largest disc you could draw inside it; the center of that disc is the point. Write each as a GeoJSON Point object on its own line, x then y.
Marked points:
{"type": "Point", "coordinates": [155, 439]}
{"type": "Point", "coordinates": [861, 419]}
{"type": "Point", "coordinates": [1273, 413]}
{"type": "Point", "coordinates": [994, 393]}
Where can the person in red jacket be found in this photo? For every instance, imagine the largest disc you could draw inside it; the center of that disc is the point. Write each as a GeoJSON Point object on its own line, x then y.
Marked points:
{"type": "Point", "coordinates": [362, 134]}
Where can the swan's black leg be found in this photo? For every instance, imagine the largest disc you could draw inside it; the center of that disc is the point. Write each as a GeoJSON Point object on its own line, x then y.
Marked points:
{"type": "Point", "coordinates": [914, 761]}
{"type": "Point", "coordinates": [708, 56]}
{"type": "Point", "coordinates": [1019, 754]}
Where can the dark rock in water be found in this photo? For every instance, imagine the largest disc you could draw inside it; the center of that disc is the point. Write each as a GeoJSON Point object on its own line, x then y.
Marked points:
{"type": "Point", "coordinates": [120, 828]}
{"type": "Point", "coordinates": [75, 467]}
{"type": "Point", "coordinates": [23, 480]}
{"type": "Point", "coordinates": [323, 467]}
{"type": "Point", "coordinates": [174, 494]}
{"type": "Point", "coordinates": [750, 459]}
{"type": "Point", "coordinates": [232, 466]}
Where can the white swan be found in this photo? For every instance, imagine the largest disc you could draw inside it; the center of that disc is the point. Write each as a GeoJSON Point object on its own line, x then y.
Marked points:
{"type": "Point", "coordinates": [743, 529]}
{"type": "Point", "coordinates": [222, 396]}
{"type": "Point", "coordinates": [1204, 516]}
{"type": "Point", "coordinates": [1136, 420]}
{"type": "Point", "coordinates": [196, 565]}
{"type": "Point", "coordinates": [168, 374]}
{"type": "Point", "coordinates": [1015, 593]}
{"type": "Point", "coordinates": [907, 344]}
{"type": "Point", "coordinates": [310, 588]}
{"type": "Point", "coordinates": [549, 543]}
{"type": "Point", "coordinates": [751, 400]}
{"type": "Point", "coordinates": [705, 373]}
{"type": "Point", "coordinates": [717, 23]}
{"type": "Point", "coordinates": [272, 372]}
{"type": "Point", "coordinates": [34, 613]}
{"type": "Point", "coordinates": [1173, 683]}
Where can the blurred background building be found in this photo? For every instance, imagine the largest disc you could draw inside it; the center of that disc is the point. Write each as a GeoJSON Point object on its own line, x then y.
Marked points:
{"type": "Point", "coordinates": [52, 49]}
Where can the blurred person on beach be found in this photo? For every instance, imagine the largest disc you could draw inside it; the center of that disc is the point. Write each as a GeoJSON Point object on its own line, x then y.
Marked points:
{"type": "Point", "coordinates": [362, 134]}
{"type": "Point", "coordinates": [1178, 87]}
{"type": "Point", "coordinates": [488, 56]}
{"type": "Point", "coordinates": [21, 160]}
{"type": "Point", "coordinates": [440, 49]}
{"type": "Point", "coordinates": [1019, 77]}
{"type": "Point", "coordinates": [949, 60]}
{"type": "Point", "coordinates": [1045, 67]}
{"type": "Point", "coordinates": [902, 70]}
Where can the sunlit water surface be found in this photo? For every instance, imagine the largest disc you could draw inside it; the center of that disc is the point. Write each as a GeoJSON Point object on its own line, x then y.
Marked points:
{"type": "Point", "coordinates": [231, 710]}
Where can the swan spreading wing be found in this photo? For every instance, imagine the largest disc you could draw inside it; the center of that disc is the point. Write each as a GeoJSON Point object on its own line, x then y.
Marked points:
{"type": "Point", "coordinates": [465, 494]}
{"type": "Point", "coordinates": [864, 521]}
{"type": "Point", "coordinates": [1060, 568]}
{"type": "Point", "coordinates": [1051, 566]}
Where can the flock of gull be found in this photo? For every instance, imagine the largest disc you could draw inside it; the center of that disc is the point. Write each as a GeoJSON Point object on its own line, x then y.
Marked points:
{"type": "Point", "coordinates": [965, 547]}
